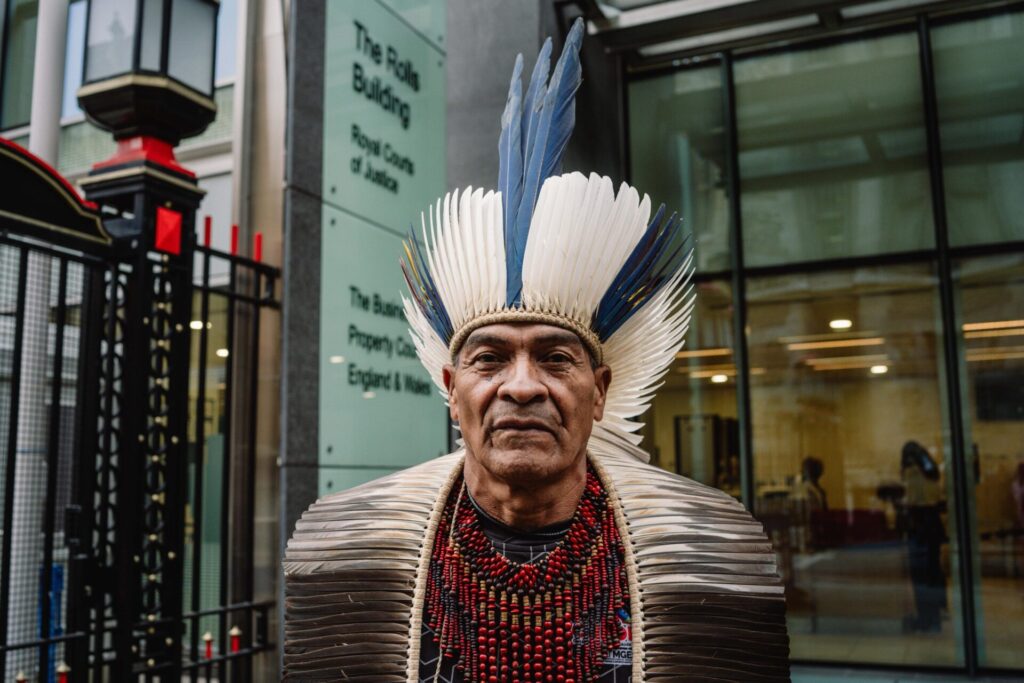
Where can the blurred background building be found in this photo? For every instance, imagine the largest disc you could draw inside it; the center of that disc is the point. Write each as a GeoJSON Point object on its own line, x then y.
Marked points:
{"type": "Point", "coordinates": [852, 173]}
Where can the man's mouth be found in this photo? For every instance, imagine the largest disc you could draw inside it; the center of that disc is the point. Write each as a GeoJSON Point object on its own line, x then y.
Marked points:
{"type": "Point", "coordinates": [521, 425]}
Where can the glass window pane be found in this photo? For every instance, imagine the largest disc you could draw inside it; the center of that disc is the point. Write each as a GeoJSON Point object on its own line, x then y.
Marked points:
{"type": "Point", "coordinates": [677, 153]}
{"type": "Point", "coordinates": [850, 474]}
{"type": "Point", "coordinates": [18, 62]}
{"type": "Point", "coordinates": [692, 428]}
{"type": "Point", "coordinates": [832, 152]}
{"type": "Point", "coordinates": [990, 294]}
{"type": "Point", "coordinates": [190, 59]}
{"type": "Point", "coordinates": [979, 84]}
{"type": "Point", "coordinates": [227, 32]}
{"type": "Point", "coordinates": [73, 59]}
{"type": "Point", "coordinates": [110, 39]}
{"type": "Point", "coordinates": [152, 35]}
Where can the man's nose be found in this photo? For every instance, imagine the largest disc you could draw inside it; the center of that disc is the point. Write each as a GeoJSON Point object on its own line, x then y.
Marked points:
{"type": "Point", "coordinates": [522, 382]}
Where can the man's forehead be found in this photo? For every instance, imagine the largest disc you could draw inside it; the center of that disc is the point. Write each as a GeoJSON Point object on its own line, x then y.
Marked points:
{"type": "Point", "coordinates": [522, 333]}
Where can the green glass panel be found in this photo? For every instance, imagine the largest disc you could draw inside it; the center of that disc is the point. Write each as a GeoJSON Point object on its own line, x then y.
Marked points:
{"type": "Point", "coordinates": [427, 17]}
{"type": "Point", "coordinates": [677, 155]}
{"type": "Point", "coordinates": [850, 455]}
{"type": "Point", "coordinates": [832, 152]}
{"type": "Point", "coordinates": [384, 161]}
{"type": "Point", "coordinates": [990, 297]}
{"type": "Point", "coordinates": [18, 62]}
{"type": "Point", "coordinates": [979, 84]}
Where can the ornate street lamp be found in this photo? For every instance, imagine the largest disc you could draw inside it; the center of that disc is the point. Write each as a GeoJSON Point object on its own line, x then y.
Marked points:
{"type": "Point", "coordinates": [148, 67]}
{"type": "Point", "coordinates": [148, 79]}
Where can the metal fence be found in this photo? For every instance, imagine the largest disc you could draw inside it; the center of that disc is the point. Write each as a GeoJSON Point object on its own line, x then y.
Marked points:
{"type": "Point", "coordinates": [128, 404]}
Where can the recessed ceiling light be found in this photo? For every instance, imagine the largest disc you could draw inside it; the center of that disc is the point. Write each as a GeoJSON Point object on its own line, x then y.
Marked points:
{"type": "Point", "coordinates": [196, 324]}
{"type": "Point", "coordinates": [222, 353]}
{"type": "Point", "coordinates": [719, 379]}
{"type": "Point", "coordinates": [840, 324]}
{"type": "Point", "coordinates": [879, 369]}
{"type": "Point", "coordinates": [337, 359]}
{"type": "Point", "coordinates": [369, 394]}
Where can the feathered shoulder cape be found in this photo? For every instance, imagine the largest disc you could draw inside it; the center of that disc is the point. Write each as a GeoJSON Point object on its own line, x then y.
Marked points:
{"type": "Point", "coordinates": [706, 601]}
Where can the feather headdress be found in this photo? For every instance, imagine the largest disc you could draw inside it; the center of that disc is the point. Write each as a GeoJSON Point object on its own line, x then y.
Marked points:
{"type": "Point", "coordinates": [566, 250]}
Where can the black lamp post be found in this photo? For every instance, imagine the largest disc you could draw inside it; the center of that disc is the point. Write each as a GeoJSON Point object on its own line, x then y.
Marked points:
{"type": "Point", "coordinates": [148, 79]}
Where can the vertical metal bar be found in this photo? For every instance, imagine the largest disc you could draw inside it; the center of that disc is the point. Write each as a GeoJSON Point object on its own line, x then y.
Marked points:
{"type": "Point", "coordinates": [12, 445]}
{"type": "Point", "coordinates": [245, 665]}
{"type": "Point", "coordinates": [226, 469]}
{"type": "Point", "coordinates": [103, 550]}
{"type": "Point", "coordinates": [81, 548]}
{"type": "Point", "coordinates": [739, 287]}
{"type": "Point", "coordinates": [52, 463]}
{"type": "Point", "coordinates": [197, 491]}
{"type": "Point", "coordinates": [961, 472]}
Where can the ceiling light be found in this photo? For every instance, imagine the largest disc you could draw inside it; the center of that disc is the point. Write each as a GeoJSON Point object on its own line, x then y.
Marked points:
{"type": "Point", "coordinates": [825, 337]}
{"type": "Point", "coordinates": [875, 358]}
{"type": "Point", "coordinates": [369, 394]}
{"type": "Point", "coordinates": [879, 369]}
{"type": "Point", "coordinates": [719, 379]}
{"type": "Point", "coordinates": [337, 359]}
{"type": "Point", "coordinates": [196, 324]}
{"type": "Point", "coordinates": [985, 334]}
{"type": "Point", "coordinates": [840, 324]}
{"type": "Point", "coordinates": [836, 344]}
{"type": "Point", "coordinates": [994, 355]}
{"type": "Point", "coordinates": [993, 325]}
{"type": "Point", "coordinates": [222, 353]}
{"type": "Point", "coordinates": [704, 353]}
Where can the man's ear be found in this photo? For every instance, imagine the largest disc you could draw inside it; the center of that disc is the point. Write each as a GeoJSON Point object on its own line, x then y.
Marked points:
{"type": "Point", "coordinates": [448, 376]}
{"type": "Point", "coordinates": [602, 380]}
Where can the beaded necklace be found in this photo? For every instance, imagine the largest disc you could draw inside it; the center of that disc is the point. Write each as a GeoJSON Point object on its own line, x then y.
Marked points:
{"type": "Point", "coordinates": [550, 620]}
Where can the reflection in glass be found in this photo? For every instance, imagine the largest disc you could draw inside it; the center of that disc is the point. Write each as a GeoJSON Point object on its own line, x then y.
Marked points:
{"type": "Point", "coordinates": [206, 458]}
{"type": "Point", "coordinates": [109, 43]}
{"type": "Point", "coordinates": [677, 144]}
{"type": "Point", "coordinates": [692, 427]}
{"type": "Point", "coordinates": [850, 475]}
{"type": "Point", "coordinates": [17, 61]}
{"type": "Point", "coordinates": [832, 152]}
{"type": "Point", "coordinates": [190, 58]}
{"type": "Point", "coordinates": [979, 83]}
{"type": "Point", "coordinates": [991, 302]}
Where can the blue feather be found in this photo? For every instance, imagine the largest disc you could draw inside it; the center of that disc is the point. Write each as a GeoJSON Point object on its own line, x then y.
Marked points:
{"type": "Point", "coordinates": [510, 148]}
{"type": "Point", "coordinates": [535, 94]}
{"type": "Point", "coordinates": [550, 119]}
{"type": "Point", "coordinates": [657, 256]}
{"type": "Point", "coordinates": [423, 289]}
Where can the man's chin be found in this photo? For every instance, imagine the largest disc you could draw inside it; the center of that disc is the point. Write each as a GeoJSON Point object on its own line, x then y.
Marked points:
{"type": "Point", "coordinates": [522, 461]}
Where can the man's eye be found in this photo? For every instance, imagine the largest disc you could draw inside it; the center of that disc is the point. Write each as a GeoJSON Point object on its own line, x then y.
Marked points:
{"type": "Point", "coordinates": [559, 358]}
{"type": "Point", "coordinates": [486, 358]}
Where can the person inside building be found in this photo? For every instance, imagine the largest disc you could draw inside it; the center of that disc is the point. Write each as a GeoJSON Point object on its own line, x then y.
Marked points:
{"type": "Point", "coordinates": [922, 506]}
{"type": "Point", "coordinates": [546, 548]}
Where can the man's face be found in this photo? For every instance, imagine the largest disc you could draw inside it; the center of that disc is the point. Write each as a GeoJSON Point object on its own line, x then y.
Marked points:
{"type": "Point", "coordinates": [525, 398]}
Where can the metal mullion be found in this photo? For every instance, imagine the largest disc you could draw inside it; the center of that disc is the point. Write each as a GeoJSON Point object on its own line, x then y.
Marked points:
{"type": "Point", "coordinates": [200, 436]}
{"type": "Point", "coordinates": [949, 346]}
{"type": "Point", "coordinates": [12, 445]}
{"type": "Point", "coordinates": [739, 296]}
{"type": "Point", "coordinates": [52, 462]}
{"type": "Point", "coordinates": [226, 466]}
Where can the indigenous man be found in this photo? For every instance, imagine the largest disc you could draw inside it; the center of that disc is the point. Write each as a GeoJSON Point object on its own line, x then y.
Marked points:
{"type": "Point", "coordinates": [546, 549]}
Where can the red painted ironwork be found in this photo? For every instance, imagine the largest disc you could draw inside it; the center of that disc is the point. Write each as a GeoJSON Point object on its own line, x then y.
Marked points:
{"type": "Point", "coordinates": [144, 148]}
